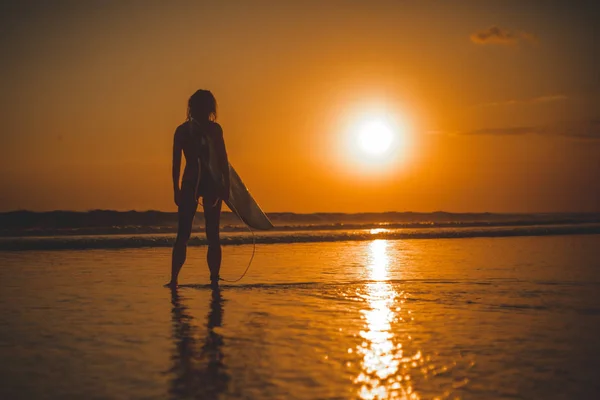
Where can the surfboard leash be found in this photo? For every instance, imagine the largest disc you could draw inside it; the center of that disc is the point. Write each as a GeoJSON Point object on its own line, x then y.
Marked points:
{"type": "Point", "coordinates": [251, 257]}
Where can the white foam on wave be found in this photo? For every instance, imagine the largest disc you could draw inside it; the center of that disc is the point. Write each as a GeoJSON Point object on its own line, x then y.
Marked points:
{"type": "Point", "coordinates": [279, 237]}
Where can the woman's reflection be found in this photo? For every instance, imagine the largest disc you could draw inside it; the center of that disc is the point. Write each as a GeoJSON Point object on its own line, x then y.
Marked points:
{"type": "Point", "coordinates": [198, 369]}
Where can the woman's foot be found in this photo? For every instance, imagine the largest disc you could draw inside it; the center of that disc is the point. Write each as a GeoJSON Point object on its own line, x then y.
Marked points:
{"type": "Point", "coordinates": [171, 284]}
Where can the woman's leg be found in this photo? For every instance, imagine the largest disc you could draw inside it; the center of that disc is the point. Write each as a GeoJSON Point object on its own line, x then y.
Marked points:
{"type": "Point", "coordinates": [186, 213]}
{"type": "Point", "coordinates": [212, 217]}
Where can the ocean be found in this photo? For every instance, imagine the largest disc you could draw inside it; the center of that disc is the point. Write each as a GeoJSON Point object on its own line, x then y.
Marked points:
{"type": "Point", "coordinates": [105, 229]}
{"type": "Point", "coordinates": [430, 307]}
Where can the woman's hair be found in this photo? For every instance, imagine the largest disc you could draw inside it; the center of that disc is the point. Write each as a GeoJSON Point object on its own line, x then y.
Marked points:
{"type": "Point", "coordinates": [202, 106]}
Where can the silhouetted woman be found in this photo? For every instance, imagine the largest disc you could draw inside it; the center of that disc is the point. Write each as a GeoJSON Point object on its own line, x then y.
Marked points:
{"type": "Point", "coordinates": [192, 138]}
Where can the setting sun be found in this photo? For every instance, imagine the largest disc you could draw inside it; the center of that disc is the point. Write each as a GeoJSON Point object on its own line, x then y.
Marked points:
{"type": "Point", "coordinates": [376, 140]}
{"type": "Point", "coordinates": [375, 137]}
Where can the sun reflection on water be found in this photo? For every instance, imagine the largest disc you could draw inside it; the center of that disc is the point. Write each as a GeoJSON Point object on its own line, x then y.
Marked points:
{"type": "Point", "coordinates": [381, 375]}
{"type": "Point", "coordinates": [379, 260]}
{"type": "Point", "coordinates": [376, 231]}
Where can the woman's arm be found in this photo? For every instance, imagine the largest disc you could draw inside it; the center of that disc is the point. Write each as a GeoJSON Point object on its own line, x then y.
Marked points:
{"type": "Point", "coordinates": [177, 148]}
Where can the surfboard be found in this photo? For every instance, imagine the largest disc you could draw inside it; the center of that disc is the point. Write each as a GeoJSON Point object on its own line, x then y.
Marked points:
{"type": "Point", "coordinates": [243, 204]}
{"type": "Point", "coordinates": [240, 200]}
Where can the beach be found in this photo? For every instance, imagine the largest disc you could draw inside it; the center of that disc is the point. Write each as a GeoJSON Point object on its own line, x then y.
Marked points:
{"type": "Point", "coordinates": [469, 318]}
{"type": "Point", "coordinates": [405, 196]}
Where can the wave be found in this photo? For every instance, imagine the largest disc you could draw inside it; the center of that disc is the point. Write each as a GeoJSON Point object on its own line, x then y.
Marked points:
{"type": "Point", "coordinates": [108, 222]}
{"type": "Point", "coordinates": [142, 241]}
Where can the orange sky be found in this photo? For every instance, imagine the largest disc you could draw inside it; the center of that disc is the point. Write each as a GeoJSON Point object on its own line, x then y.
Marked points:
{"type": "Point", "coordinates": [501, 99]}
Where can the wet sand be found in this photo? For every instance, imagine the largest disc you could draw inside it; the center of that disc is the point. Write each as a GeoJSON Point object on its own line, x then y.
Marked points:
{"type": "Point", "coordinates": [451, 318]}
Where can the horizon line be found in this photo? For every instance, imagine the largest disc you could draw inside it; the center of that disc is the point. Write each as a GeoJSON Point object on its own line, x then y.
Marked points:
{"type": "Point", "coordinates": [307, 213]}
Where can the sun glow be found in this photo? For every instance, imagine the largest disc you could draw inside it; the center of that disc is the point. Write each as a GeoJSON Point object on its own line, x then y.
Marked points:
{"type": "Point", "coordinates": [375, 140]}
{"type": "Point", "coordinates": [375, 137]}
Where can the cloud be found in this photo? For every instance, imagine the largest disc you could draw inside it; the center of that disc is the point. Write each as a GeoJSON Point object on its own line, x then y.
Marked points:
{"type": "Point", "coordinates": [535, 100]}
{"type": "Point", "coordinates": [588, 129]}
{"type": "Point", "coordinates": [519, 130]}
{"type": "Point", "coordinates": [549, 98]}
{"type": "Point", "coordinates": [584, 129]}
{"type": "Point", "coordinates": [501, 36]}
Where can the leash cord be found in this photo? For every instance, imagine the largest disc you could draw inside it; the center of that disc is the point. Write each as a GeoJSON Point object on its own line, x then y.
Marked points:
{"type": "Point", "coordinates": [251, 257]}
